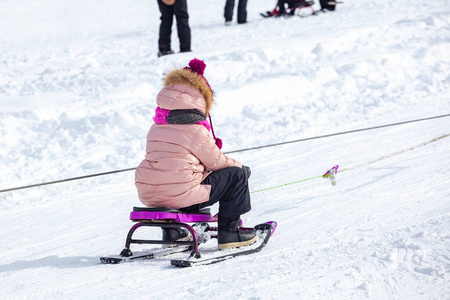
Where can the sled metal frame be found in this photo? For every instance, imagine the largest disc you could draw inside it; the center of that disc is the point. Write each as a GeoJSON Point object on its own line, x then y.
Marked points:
{"type": "Point", "coordinates": [313, 12]}
{"type": "Point", "coordinates": [292, 10]}
{"type": "Point", "coordinates": [164, 218]}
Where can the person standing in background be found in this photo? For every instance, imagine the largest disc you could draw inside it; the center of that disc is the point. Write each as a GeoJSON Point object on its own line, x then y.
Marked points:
{"type": "Point", "coordinates": [169, 9]}
{"type": "Point", "coordinates": [241, 12]}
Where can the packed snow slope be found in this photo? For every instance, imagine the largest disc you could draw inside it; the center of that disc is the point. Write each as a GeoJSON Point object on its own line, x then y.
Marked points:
{"type": "Point", "coordinates": [78, 81]}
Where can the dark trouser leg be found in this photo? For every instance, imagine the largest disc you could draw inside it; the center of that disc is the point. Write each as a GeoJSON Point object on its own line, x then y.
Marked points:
{"type": "Point", "coordinates": [242, 11]}
{"type": "Point", "coordinates": [324, 5]}
{"type": "Point", "coordinates": [229, 187]}
{"type": "Point", "coordinates": [165, 29]}
{"type": "Point", "coordinates": [184, 31]}
{"type": "Point", "coordinates": [228, 224]}
{"type": "Point", "coordinates": [229, 7]}
{"type": "Point", "coordinates": [281, 7]}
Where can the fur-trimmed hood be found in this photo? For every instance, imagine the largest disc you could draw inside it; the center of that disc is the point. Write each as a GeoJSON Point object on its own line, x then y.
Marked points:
{"type": "Point", "coordinates": [193, 78]}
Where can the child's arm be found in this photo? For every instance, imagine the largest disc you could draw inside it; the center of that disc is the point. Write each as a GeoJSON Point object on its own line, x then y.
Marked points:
{"type": "Point", "coordinates": [205, 149]}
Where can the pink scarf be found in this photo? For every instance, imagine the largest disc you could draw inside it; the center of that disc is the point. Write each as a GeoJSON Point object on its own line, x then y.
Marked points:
{"type": "Point", "coordinates": [162, 115]}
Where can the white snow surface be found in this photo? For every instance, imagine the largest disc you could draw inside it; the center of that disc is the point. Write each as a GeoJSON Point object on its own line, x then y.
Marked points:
{"type": "Point", "coordinates": [78, 81]}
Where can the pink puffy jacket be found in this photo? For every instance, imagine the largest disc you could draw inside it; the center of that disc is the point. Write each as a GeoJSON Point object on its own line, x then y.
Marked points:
{"type": "Point", "coordinates": [179, 156]}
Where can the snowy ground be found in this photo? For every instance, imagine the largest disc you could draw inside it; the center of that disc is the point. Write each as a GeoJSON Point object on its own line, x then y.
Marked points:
{"type": "Point", "coordinates": [78, 81]}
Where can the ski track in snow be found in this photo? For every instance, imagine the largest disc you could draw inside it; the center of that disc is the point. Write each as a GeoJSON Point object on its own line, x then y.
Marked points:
{"type": "Point", "coordinates": [77, 87]}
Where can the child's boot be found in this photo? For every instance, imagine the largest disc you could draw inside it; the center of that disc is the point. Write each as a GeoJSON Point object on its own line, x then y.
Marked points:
{"type": "Point", "coordinates": [230, 236]}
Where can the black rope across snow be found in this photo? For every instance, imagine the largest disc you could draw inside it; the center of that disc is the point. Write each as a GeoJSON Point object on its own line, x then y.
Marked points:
{"type": "Point", "coordinates": [229, 152]}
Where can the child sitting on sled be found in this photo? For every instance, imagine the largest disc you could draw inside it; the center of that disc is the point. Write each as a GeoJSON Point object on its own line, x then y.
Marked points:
{"type": "Point", "coordinates": [184, 168]}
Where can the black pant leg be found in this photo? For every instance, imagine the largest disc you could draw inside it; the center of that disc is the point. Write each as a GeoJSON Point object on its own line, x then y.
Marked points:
{"type": "Point", "coordinates": [165, 28]}
{"type": "Point", "coordinates": [184, 31]}
{"type": "Point", "coordinates": [229, 7]}
{"type": "Point", "coordinates": [280, 5]}
{"type": "Point", "coordinates": [230, 188]}
{"type": "Point", "coordinates": [324, 5]}
{"type": "Point", "coordinates": [242, 11]}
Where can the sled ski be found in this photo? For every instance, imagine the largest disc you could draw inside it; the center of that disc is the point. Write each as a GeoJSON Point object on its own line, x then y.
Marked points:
{"type": "Point", "coordinates": [201, 231]}
{"type": "Point", "coordinates": [147, 256]}
{"type": "Point", "coordinates": [264, 232]}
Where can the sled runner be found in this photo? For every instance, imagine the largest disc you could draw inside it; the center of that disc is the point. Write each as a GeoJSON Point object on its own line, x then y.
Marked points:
{"type": "Point", "coordinates": [201, 230]}
{"type": "Point", "coordinates": [264, 232]}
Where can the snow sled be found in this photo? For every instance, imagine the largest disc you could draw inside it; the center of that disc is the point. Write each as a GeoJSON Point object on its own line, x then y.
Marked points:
{"type": "Point", "coordinates": [201, 226]}
{"type": "Point", "coordinates": [293, 9]}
